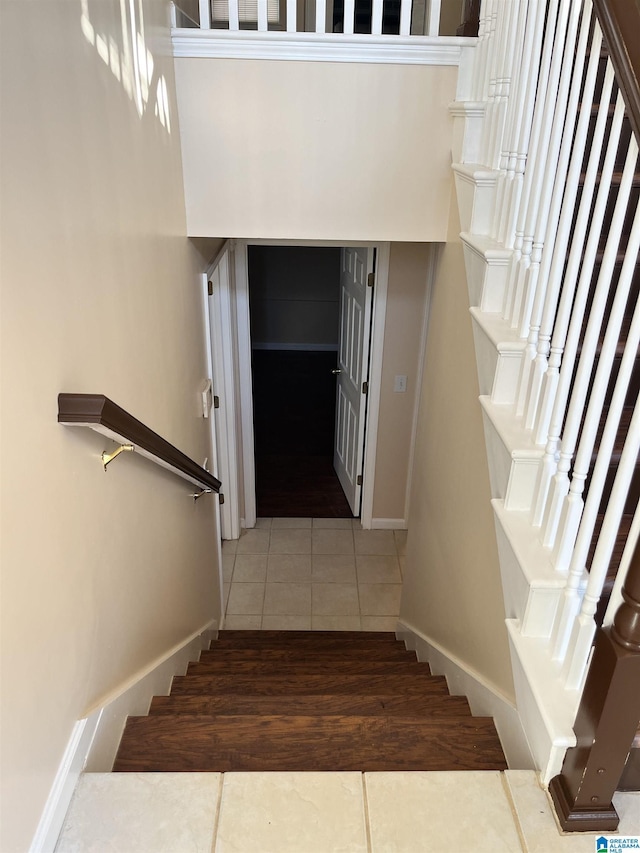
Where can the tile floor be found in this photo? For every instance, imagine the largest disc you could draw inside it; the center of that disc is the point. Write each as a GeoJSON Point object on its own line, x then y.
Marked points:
{"type": "Point", "coordinates": [472, 812]}
{"type": "Point", "coordinates": [323, 574]}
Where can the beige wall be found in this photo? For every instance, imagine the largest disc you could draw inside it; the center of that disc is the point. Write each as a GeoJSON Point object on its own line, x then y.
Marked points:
{"type": "Point", "coordinates": [452, 591]}
{"type": "Point", "coordinates": [315, 150]}
{"type": "Point", "coordinates": [408, 266]}
{"type": "Point", "coordinates": [102, 574]}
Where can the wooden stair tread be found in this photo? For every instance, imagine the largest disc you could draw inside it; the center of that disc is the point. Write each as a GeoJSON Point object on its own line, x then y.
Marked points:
{"type": "Point", "coordinates": [381, 652]}
{"type": "Point", "coordinates": [297, 639]}
{"type": "Point", "coordinates": [168, 743]}
{"type": "Point", "coordinates": [216, 685]}
{"type": "Point", "coordinates": [432, 705]}
{"type": "Point", "coordinates": [291, 668]}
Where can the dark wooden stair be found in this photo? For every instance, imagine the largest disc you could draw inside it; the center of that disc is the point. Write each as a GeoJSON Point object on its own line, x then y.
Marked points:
{"type": "Point", "coordinates": [302, 701]}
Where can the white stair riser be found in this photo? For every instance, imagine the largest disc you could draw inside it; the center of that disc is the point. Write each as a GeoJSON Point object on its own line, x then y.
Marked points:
{"type": "Point", "coordinates": [498, 366]}
{"type": "Point", "coordinates": [475, 203]}
{"type": "Point", "coordinates": [467, 132]}
{"type": "Point", "coordinates": [534, 606]}
{"type": "Point", "coordinates": [512, 474]}
{"type": "Point", "coordinates": [487, 278]}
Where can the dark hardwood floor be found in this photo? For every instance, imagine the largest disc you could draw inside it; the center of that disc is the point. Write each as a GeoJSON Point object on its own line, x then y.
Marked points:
{"type": "Point", "coordinates": [294, 421]}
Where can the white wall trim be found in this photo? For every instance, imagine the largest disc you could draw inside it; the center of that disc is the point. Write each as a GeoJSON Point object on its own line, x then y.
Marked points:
{"type": "Point", "coordinates": [484, 698]}
{"type": "Point", "coordinates": [244, 381]}
{"type": "Point", "coordinates": [95, 738]}
{"type": "Point", "coordinates": [432, 266]}
{"type": "Point", "coordinates": [379, 309]}
{"type": "Point", "coordinates": [55, 810]}
{"type": "Point", "coordinates": [318, 47]}
{"type": "Point", "coordinates": [388, 524]}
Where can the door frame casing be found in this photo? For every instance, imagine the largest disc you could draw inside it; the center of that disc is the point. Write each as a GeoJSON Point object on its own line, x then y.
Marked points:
{"type": "Point", "coordinates": [244, 377]}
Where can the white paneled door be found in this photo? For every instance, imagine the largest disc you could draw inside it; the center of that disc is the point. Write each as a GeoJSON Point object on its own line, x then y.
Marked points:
{"type": "Point", "coordinates": [353, 370]}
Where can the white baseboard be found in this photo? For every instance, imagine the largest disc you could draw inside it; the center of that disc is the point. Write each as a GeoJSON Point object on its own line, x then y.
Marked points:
{"type": "Point", "coordinates": [484, 700]}
{"type": "Point", "coordinates": [94, 741]}
{"type": "Point", "coordinates": [388, 524]}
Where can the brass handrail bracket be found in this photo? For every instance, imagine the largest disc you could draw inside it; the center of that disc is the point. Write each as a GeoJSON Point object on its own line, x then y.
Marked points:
{"type": "Point", "coordinates": [109, 457]}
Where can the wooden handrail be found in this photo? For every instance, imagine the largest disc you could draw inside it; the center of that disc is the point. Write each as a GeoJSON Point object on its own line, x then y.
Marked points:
{"type": "Point", "coordinates": [97, 412]}
{"type": "Point", "coordinates": [607, 720]}
{"type": "Point", "coordinates": [620, 23]}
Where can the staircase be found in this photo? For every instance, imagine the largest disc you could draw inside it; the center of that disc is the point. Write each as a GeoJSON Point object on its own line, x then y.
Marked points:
{"type": "Point", "coordinates": [303, 701]}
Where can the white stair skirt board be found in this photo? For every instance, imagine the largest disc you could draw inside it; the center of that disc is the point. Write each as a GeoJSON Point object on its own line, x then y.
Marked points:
{"type": "Point", "coordinates": [487, 264]}
{"type": "Point", "coordinates": [467, 130]}
{"type": "Point", "coordinates": [475, 189]}
{"type": "Point", "coordinates": [531, 587]}
{"type": "Point", "coordinates": [95, 739]}
{"type": "Point", "coordinates": [513, 458]}
{"type": "Point", "coordinates": [388, 524]}
{"type": "Point", "coordinates": [499, 353]}
{"type": "Point", "coordinates": [484, 700]}
{"type": "Point", "coordinates": [547, 710]}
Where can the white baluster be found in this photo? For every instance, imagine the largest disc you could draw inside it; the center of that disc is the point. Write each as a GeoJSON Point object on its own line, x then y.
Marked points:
{"type": "Point", "coordinates": [432, 27]}
{"type": "Point", "coordinates": [568, 323]}
{"type": "Point", "coordinates": [540, 170]}
{"type": "Point", "coordinates": [376, 17]}
{"type": "Point", "coordinates": [520, 259]}
{"type": "Point", "coordinates": [575, 410]}
{"type": "Point", "coordinates": [204, 10]}
{"type": "Point", "coordinates": [321, 16]}
{"type": "Point", "coordinates": [349, 16]}
{"type": "Point", "coordinates": [234, 15]}
{"type": "Point", "coordinates": [503, 83]}
{"type": "Point", "coordinates": [263, 18]}
{"type": "Point", "coordinates": [572, 509]}
{"type": "Point", "coordinates": [553, 266]}
{"type": "Point", "coordinates": [292, 19]}
{"type": "Point", "coordinates": [554, 192]}
{"type": "Point", "coordinates": [499, 13]}
{"type": "Point", "coordinates": [572, 597]}
{"type": "Point", "coordinates": [584, 627]}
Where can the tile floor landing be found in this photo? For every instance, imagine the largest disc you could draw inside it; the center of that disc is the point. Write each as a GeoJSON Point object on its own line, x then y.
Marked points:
{"type": "Point", "coordinates": [322, 574]}
{"type": "Point", "coordinates": [459, 812]}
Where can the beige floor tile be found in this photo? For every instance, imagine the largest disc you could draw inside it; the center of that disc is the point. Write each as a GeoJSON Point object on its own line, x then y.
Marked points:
{"type": "Point", "coordinates": [289, 568]}
{"type": "Point", "coordinates": [290, 542]}
{"type": "Point", "coordinates": [356, 524]}
{"type": "Point", "coordinates": [243, 622]}
{"type": "Point", "coordinates": [403, 563]}
{"type": "Point", "coordinates": [537, 822]}
{"type": "Point", "coordinates": [332, 542]}
{"type": "Point", "coordinates": [289, 598]}
{"type": "Point", "coordinates": [333, 568]}
{"type": "Point", "coordinates": [332, 523]}
{"type": "Point", "coordinates": [254, 542]}
{"type": "Point", "coordinates": [227, 565]}
{"type": "Point", "coordinates": [141, 812]}
{"type": "Point", "coordinates": [375, 542]}
{"type": "Point", "coordinates": [230, 546]}
{"type": "Point", "coordinates": [465, 812]}
{"type": "Point", "coordinates": [379, 599]}
{"type": "Point", "coordinates": [286, 622]}
{"type": "Point", "coordinates": [291, 813]}
{"type": "Point", "coordinates": [335, 623]}
{"type": "Point", "coordinates": [377, 569]}
{"type": "Point", "coordinates": [291, 523]}
{"type": "Point", "coordinates": [379, 623]}
{"type": "Point", "coordinates": [226, 589]}
{"type": "Point", "coordinates": [401, 542]}
{"type": "Point", "coordinates": [335, 599]}
{"type": "Point", "coordinates": [250, 568]}
{"type": "Point", "coordinates": [263, 523]}
{"type": "Point", "coordinates": [246, 599]}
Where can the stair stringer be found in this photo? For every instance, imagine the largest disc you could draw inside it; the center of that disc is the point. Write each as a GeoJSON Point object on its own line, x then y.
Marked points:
{"type": "Point", "coordinates": [531, 587]}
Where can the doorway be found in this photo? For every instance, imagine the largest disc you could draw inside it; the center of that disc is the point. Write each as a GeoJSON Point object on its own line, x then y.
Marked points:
{"type": "Point", "coordinates": [295, 310]}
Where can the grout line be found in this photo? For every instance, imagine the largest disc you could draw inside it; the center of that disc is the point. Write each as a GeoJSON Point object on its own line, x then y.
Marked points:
{"type": "Point", "coordinates": [367, 827]}
{"type": "Point", "coordinates": [514, 811]}
{"type": "Point", "coordinates": [216, 820]}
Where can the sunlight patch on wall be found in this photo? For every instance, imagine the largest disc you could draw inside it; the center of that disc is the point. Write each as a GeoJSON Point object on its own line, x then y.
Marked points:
{"type": "Point", "coordinates": [131, 62]}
